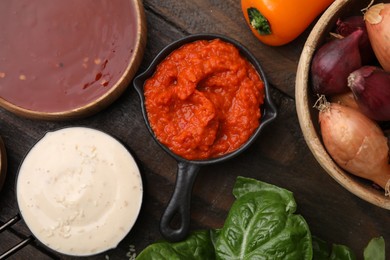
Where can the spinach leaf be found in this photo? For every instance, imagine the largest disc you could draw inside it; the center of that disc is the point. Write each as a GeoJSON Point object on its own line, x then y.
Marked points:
{"type": "Point", "coordinates": [198, 246]}
{"type": "Point", "coordinates": [341, 252]}
{"type": "Point", "coordinates": [321, 249]}
{"type": "Point", "coordinates": [271, 192]}
{"type": "Point", "coordinates": [375, 250]}
{"type": "Point", "coordinates": [261, 225]}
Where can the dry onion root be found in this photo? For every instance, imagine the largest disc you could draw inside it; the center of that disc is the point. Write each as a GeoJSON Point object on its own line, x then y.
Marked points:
{"type": "Point", "coordinates": [355, 142]}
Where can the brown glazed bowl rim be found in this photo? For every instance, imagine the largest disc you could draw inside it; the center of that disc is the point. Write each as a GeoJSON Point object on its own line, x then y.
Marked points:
{"type": "Point", "coordinates": [107, 98]}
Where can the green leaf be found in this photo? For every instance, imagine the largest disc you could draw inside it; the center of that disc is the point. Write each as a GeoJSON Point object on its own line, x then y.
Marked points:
{"type": "Point", "coordinates": [321, 249]}
{"type": "Point", "coordinates": [375, 250]}
{"type": "Point", "coordinates": [341, 252]}
{"type": "Point", "coordinates": [214, 234]}
{"type": "Point", "coordinates": [268, 191]}
{"type": "Point", "coordinates": [260, 225]}
{"type": "Point", "coordinates": [198, 246]}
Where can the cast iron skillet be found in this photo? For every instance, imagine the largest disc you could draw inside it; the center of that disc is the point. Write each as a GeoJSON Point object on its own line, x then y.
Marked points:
{"type": "Point", "coordinates": [179, 205]}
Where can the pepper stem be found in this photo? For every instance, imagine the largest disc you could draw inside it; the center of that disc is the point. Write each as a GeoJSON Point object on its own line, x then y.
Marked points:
{"type": "Point", "coordinates": [258, 21]}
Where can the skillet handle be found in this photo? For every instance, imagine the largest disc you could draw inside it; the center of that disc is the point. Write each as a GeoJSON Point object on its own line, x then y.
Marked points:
{"type": "Point", "coordinates": [179, 205]}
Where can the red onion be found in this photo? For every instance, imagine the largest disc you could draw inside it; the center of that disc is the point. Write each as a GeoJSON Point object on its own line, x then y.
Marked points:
{"type": "Point", "coordinates": [346, 26]}
{"type": "Point", "coordinates": [371, 88]}
{"type": "Point", "coordinates": [333, 62]}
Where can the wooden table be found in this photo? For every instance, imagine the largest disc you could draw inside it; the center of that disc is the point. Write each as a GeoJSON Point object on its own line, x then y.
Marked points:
{"type": "Point", "coordinates": [279, 156]}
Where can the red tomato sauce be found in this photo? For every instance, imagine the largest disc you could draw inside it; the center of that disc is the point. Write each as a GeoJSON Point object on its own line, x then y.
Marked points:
{"type": "Point", "coordinates": [204, 100]}
{"type": "Point", "coordinates": [58, 55]}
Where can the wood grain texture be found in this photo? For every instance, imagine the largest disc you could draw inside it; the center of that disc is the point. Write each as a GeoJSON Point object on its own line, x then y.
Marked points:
{"type": "Point", "coordinates": [3, 163]}
{"type": "Point", "coordinates": [279, 156]}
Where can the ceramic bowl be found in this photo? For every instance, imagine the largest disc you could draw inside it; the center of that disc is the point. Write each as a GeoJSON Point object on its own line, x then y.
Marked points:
{"type": "Point", "coordinates": [308, 116]}
{"type": "Point", "coordinates": [58, 66]}
{"type": "Point", "coordinates": [89, 189]}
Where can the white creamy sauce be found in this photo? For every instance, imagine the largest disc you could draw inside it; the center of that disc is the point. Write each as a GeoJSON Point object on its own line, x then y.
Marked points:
{"type": "Point", "coordinates": [79, 191]}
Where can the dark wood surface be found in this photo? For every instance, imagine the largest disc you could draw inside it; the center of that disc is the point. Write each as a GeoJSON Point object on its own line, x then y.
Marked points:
{"type": "Point", "coordinates": [279, 156]}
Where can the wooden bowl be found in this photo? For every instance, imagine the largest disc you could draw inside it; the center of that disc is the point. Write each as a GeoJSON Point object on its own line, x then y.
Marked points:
{"type": "Point", "coordinates": [3, 163]}
{"type": "Point", "coordinates": [308, 116]}
{"type": "Point", "coordinates": [68, 60]}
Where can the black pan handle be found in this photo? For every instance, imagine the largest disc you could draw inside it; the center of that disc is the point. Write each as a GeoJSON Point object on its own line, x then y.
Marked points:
{"type": "Point", "coordinates": [180, 204]}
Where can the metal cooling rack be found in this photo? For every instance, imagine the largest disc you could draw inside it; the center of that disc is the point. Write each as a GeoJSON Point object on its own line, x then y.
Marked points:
{"type": "Point", "coordinates": [18, 246]}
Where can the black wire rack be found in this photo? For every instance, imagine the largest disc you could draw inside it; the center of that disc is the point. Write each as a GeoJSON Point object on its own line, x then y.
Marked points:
{"type": "Point", "coordinates": [21, 244]}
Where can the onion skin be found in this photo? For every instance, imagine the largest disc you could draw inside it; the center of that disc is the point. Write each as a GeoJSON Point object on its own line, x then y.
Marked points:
{"type": "Point", "coordinates": [345, 99]}
{"type": "Point", "coordinates": [333, 62]}
{"type": "Point", "coordinates": [371, 88]}
{"type": "Point", "coordinates": [355, 142]}
{"type": "Point", "coordinates": [377, 18]}
{"type": "Point", "coordinates": [346, 26]}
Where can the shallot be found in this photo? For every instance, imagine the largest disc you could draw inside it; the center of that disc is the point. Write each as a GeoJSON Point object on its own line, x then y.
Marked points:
{"type": "Point", "coordinates": [345, 99]}
{"type": "Point", "coordinates": [377, 18]}
{"type": "Point", "coordinates": [371, 88]}
{"type": "Point", "coordinates": [348, 25]}
{"type": "Point", "coordinates": [333, 62]}
{"type": "Point", "coordinates": [355, 142]}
